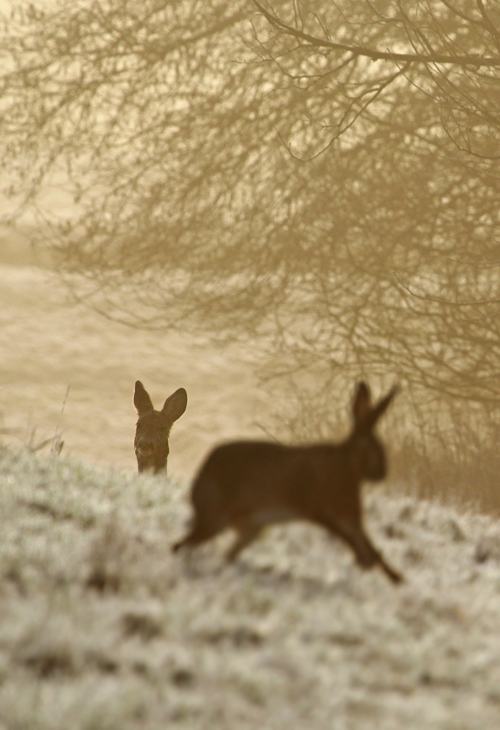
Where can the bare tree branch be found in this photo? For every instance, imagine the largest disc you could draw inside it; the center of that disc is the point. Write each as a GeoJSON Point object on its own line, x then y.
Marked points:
{"type": "Point", "coordinates": [468, 60]}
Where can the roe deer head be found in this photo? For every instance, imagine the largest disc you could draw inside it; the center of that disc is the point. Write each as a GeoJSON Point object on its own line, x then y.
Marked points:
{"type": "Point", "coordinates": [153, 427]}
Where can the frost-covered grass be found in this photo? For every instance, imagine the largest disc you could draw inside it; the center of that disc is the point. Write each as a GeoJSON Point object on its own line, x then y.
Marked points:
{"type": "Point", "coordinates": [101, 627]}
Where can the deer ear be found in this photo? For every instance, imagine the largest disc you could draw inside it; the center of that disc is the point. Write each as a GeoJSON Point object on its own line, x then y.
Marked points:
{"type": "Point", "coordinates": [142, 401]}
{"type": "Point", "coordinates": [175, 405]}
{"type": "Point", "coordinates": [361, 408]}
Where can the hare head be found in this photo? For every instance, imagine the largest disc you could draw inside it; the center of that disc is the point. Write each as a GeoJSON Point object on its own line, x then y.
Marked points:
{"type": "Point", "coordinates": [367, 454]}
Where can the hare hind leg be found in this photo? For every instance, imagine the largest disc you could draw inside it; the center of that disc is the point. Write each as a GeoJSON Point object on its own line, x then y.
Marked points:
{"type": "Point", "coordinates": [199, 533]}
{"type": "Point", "coordinates": [209, 515]}
{"type": "Point", "coordinates": [247, 533]}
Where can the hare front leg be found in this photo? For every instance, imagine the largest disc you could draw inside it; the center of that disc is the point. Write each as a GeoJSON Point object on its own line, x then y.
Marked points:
{"type": "Point", "coordinates": [352, 532]}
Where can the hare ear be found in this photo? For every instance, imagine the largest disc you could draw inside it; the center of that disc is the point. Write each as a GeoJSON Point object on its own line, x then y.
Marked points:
{"type": "Point", "coordinates": [142, 401]}
{"type": "Point", "coordinates": [175, 405]}
{"type": "Point", "coordinates": [361, 407]}
{"type": "Point", "coordinates": [383, 404]}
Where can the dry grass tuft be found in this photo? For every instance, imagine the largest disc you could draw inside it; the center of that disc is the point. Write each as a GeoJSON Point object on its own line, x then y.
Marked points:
{"type": "Point", "coordinates": [460, 473]}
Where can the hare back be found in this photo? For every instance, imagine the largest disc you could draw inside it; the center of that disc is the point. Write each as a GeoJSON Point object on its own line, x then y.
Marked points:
{"type": "Point", "coordinates": [275, 482]}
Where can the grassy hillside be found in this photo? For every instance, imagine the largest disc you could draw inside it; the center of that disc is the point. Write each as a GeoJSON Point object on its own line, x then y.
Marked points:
{"type": "Point", "coordinates": [102, 628]}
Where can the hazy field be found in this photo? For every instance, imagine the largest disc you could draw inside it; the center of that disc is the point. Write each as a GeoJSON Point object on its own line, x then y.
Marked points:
{"type": "Point", "coordinates": [102, 628]}
{"type": "Point", "coordinates": [48, 344]}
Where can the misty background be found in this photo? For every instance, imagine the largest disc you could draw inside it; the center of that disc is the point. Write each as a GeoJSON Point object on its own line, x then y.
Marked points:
{"type": "Point", "coordinates": [303, 193]}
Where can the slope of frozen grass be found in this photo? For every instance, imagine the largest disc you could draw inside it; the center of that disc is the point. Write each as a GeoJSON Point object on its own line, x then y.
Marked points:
{"type": "Point", "coordinates": [101, 627]}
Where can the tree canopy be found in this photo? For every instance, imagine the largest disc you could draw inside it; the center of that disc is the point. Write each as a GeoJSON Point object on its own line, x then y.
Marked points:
{"type": "Point", "coordinates": [324, 172]}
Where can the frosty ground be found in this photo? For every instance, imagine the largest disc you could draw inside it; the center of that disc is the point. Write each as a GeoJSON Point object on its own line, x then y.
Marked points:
{"type": "Point", "coordinates": [101, 627]}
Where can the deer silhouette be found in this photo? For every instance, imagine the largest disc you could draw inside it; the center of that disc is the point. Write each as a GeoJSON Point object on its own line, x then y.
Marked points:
{"type": "Point", "coordinates": [153, 427]}
{"type": "Point", "coordinates": [246, 485]}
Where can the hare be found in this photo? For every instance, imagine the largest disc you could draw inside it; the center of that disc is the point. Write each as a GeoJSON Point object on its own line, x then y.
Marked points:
{"type": "Point", "coordinates": [153, 427]}
{"type": "Point", "coordinates": [246, 485]}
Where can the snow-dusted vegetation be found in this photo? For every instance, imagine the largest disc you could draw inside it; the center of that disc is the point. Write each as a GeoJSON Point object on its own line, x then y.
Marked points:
{"type": "Point", "coordinates": [102, 627]}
